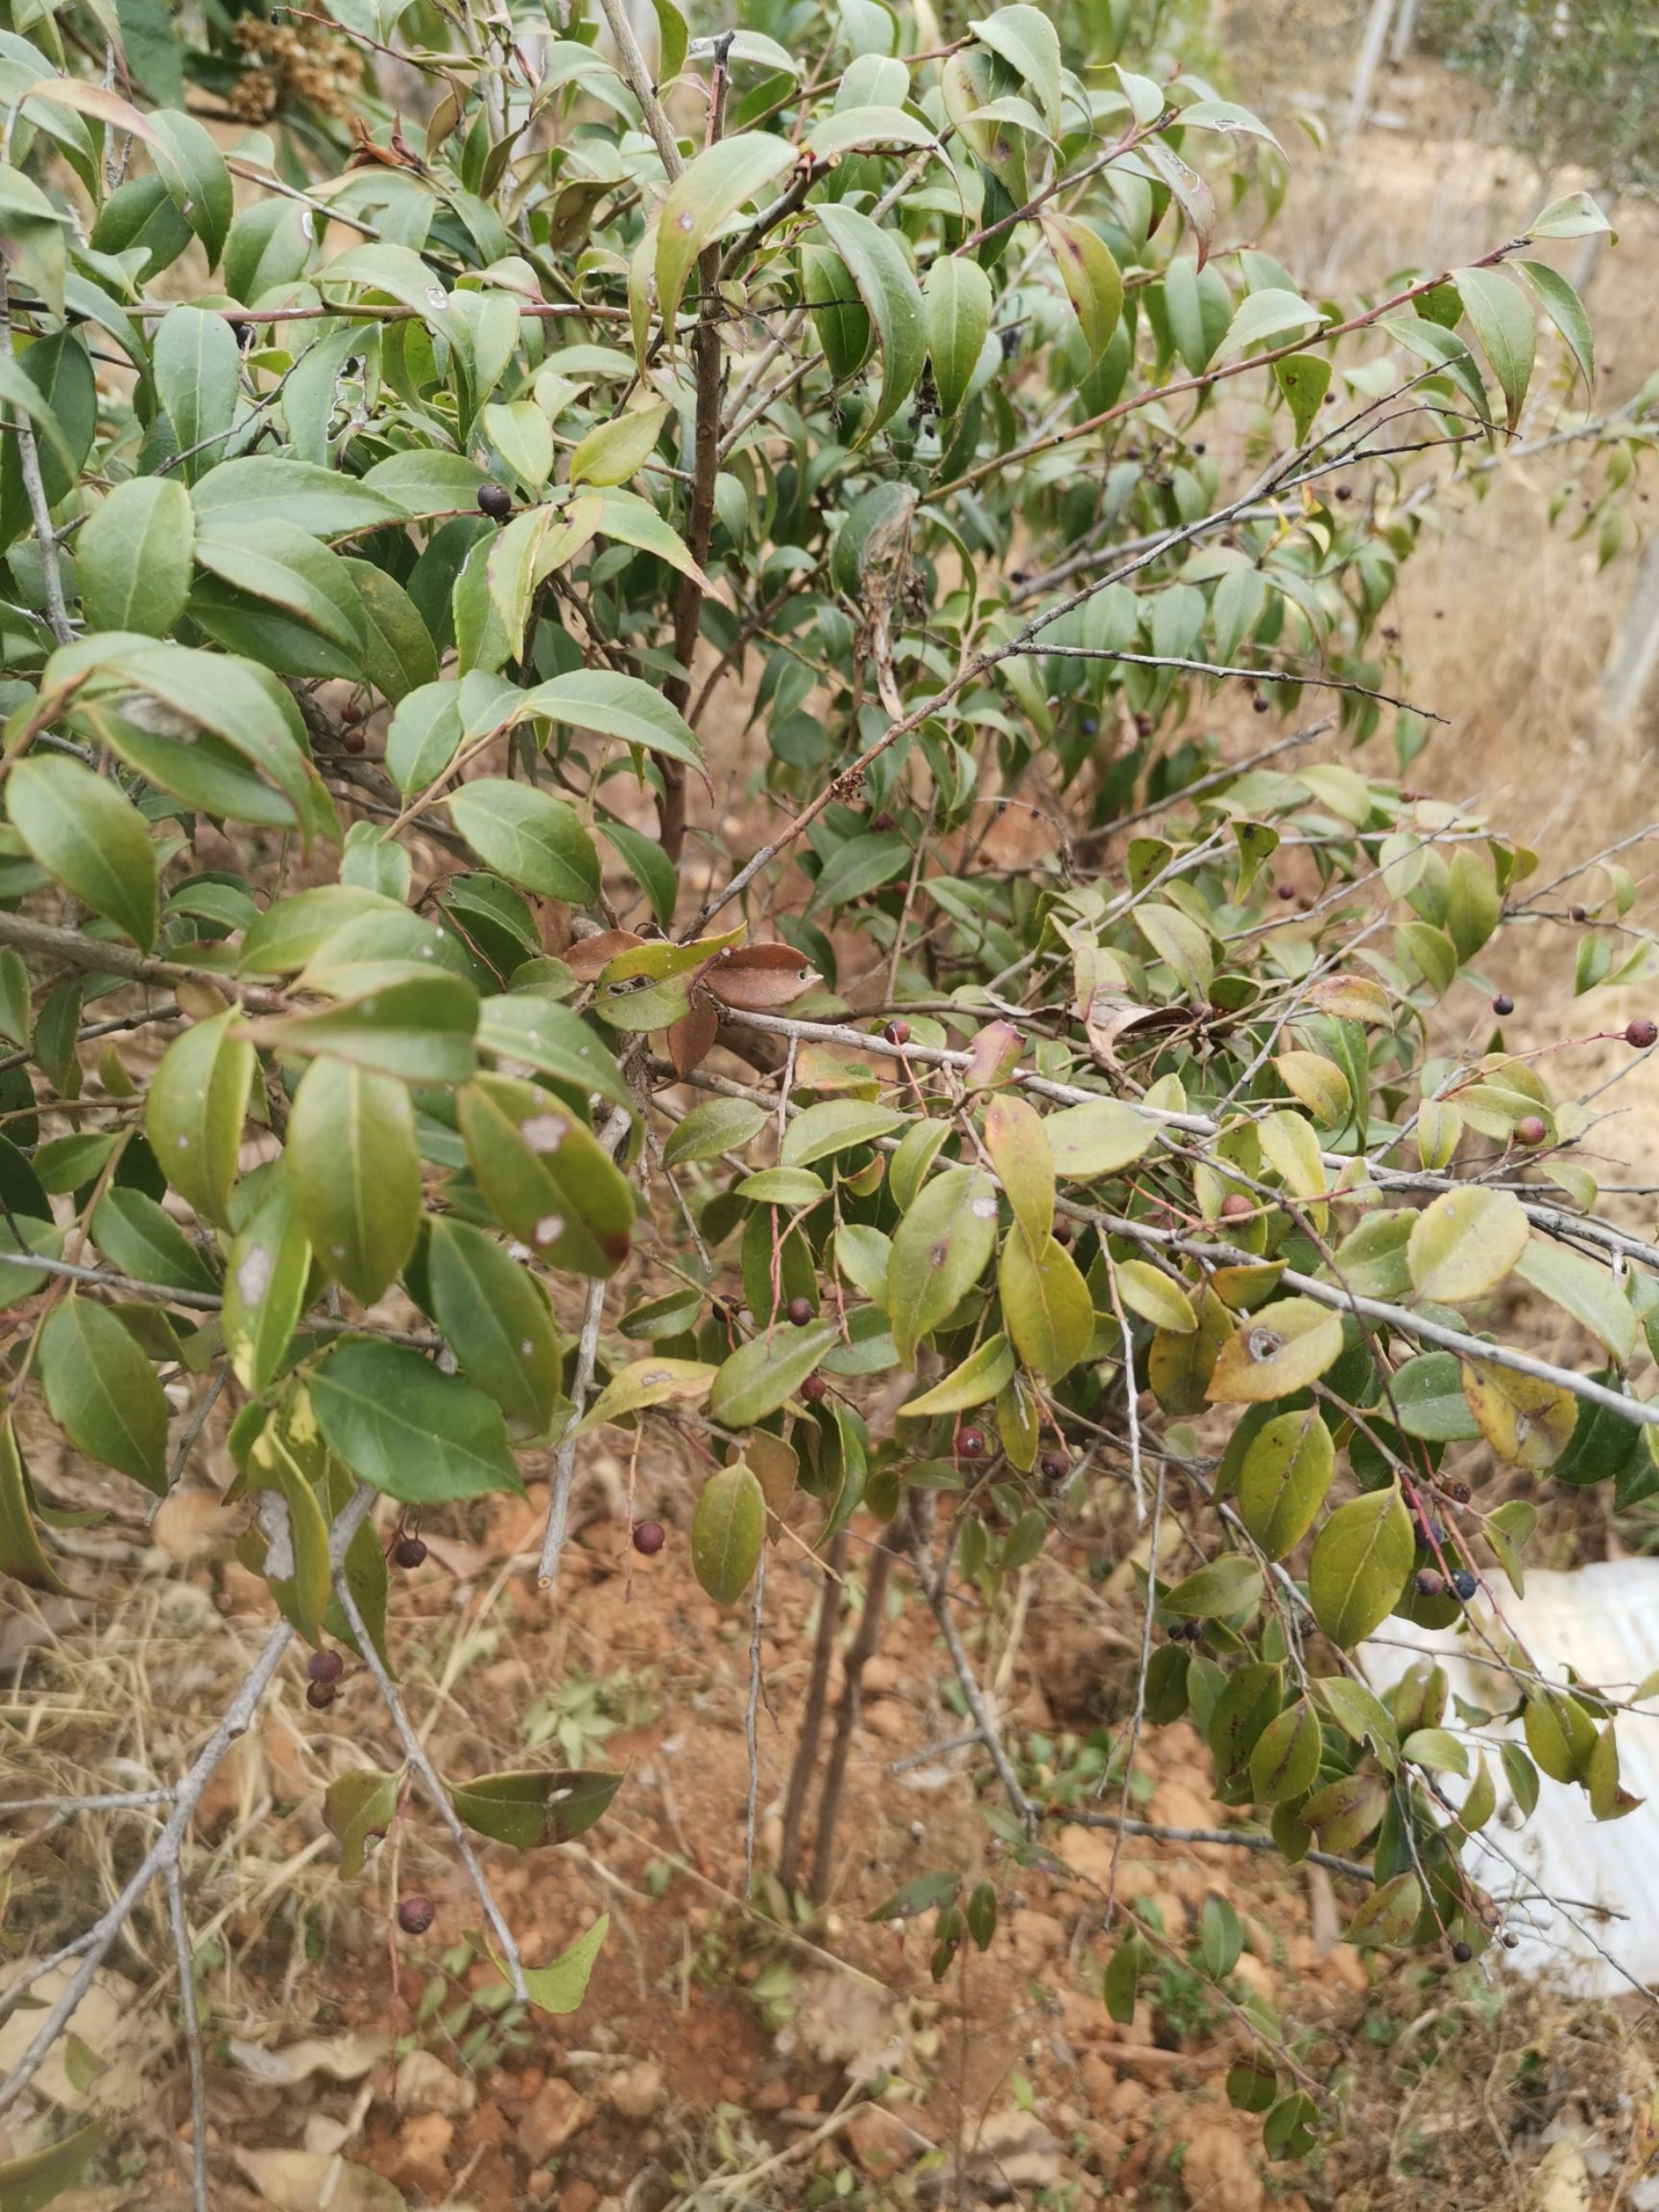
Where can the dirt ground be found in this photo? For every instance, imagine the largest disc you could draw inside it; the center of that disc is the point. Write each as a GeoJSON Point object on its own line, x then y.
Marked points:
{"type": "Point", "coordinates": [730, 2053]}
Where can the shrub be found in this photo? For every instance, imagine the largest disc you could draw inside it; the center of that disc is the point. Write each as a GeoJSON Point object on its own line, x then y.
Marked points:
{"type": "Point", "coordinates": [746, 560]}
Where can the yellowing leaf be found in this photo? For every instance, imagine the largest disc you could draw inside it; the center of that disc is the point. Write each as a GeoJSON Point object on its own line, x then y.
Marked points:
{"type": "Point", "coordinates": [1046, 1305]}
{"type": "Point", "coordinates": [1465, 1243]}
{"type": "Point", "coordinates": [1148, 1292]}
{"type": "Point", "coordinates": [1283, 1348]}
{"type": "Point", "coordinates": [616, 450]}
{"type": "Point", "coordinates": [1527, 1420]}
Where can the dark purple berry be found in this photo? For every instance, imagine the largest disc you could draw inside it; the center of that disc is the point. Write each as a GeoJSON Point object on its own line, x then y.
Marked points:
{"type": "Point", "coordinates": [1462, 1953]}
{"type": "Point", "coordinates": [1286, 890]}
{"type": "Point", "coordinates": [649, 1538]}
{"type": "Point", "coordinates": [416, 1914]}
{"type": "Point", "coordinates": [799, 1311]}
{"type": "Point", "coordinates": [1063, 1232]}
{"type": "Point", "coordinates": [495, 501]}
{"type": "Point", "coordinates": [1502, 1003]}
{"type": "Point", "coordinates": [320, 1696]}
{"type": "Point", "coordinates": [325, 1666]}
{"type": "Point", "coordinates": [969, 1442]}
{"type": "Point", "coordinates": [1431, 1583]}
{"type": "Point", "coordinates": [1509, 1941]}
{"type": "Point", "coordinates": [1464, 1583]}
{"type": "Point", "coordinates": [1055, 1466]}
{"type": "Point", "coordinates": [814, 1389]}
{"type": "Point", "coordinates": [897, 1032]}
{"type": "Point", "coordinates": [1579, 914]}
{"type": "Point", "coordinates": [409, 1550]}
{"type": "Point", "coordinates": [1641, 1033]}
{"type": "Point", "coordinates": [1259, 706]}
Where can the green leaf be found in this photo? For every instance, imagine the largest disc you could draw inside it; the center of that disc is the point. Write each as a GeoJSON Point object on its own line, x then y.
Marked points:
{"type": "Point", "coordinates": [1018, 1143]}
{"type": "Point", "coordinates": [138, 1238]}
{"type": "Point", "coordinates": [1346, 1812]}
{"type": "Point", "coordinates": [703, 199]}
{"type": "Point", "coordinates": [1027, 39]}
{"type": "Point", "coordinates": [20, 1553]}
{"type": "Point", "coordinates": [355, 1170]}
{"type": "Point", "coordinates": [417, 1027]}
{"type": "Point", "coordinates": [728, 1530]}
{"type": "Point", "coordinates": [560, 1987]}
{"type": "Point", "coordinates": [879, 267]}
{"type": "Point", "coordinates": [1578, 216]}
{"type": "Point", "coordinates": [975, 1383]}
{"type": "Point", "coordinates": [1584, 1289]}
{"type": "Point", "coordinates": [29, 2182]}
{"type": "Point", "coordinates": [1220, 1936]}
{"type": "Point", "coordinates": [1267, 316]}
{"type": "Point", "coordinates": [193, 1114]}
{"type": "Point", "coordinates": [1304, 379]}
{"type": "Point", "coordinates": [861, 865]}
{"type": "Point", "coordinates": [359, 1806]}
{"type": "Point", "coordinates": [1508, 335]}
{"type": "Point", "coordinates": [190, 165]}
{"type": "Point", "coordinates": [133, 556]}
{"type": "Point", "coordinates": [1284, 1481]}
{"type": "Point", "coordinates": [834, 1126]}
{"type": "Point", "coordinates": [407, 1430]}
{"type": "Point", "coordinates": [1099, 1138]}
{"type": "Point", "coordinates": [1281, 1349]}
{"type": "Point", "coordinates": [292, 570]}
{"type": "Point", "coordinates": [197, 366]}
{"type": "Point", "coordinates": [1227, 1587]}
{"type": "Point", "coordinates": [103, 1392]}
{"type": "Point", "coordinates": [535, 841]}
{"type": "Point", "coordinates": [939, 1252]}
{"type": "Point", "coordinates": [1428, 1392]}
{"type": "Point", "coordinates": [545, 1176]}
{"type": "Point", "coordinates": [957, 295]}
{"type": "Point", "coordinates": [718, 1125]}
{"type": "Point", "coordinates": [87, 838]}
{"type": "Point", "coordinates": [540, 1034]}
{"type": "Point", "coordinates": [616, 450]}
{"type": "Point", "coordinates": [496, 1322]}
{"type": "Point", "coordinates": [1360, 1562]}
{"type": "Point", "coordinates": [1566, 310]}
{"type": "Point", "coordinates": [290, 933]}
{"type": "Point", "coordinates": [1091, 277]}
{"type": "Point", "coordinates": [614, 706]}
{"type": "Point", "coordinates": [15, 994]}
{"type": "Point", "coordinates": [1046, 1305]}
{"type": "Point", "coordinates": [265, 1278]}
{"type": "Point", "coordinates": [633, 521]}
{"type": "Point", "coordinates": [260, 488]}
{"type": "Point", "coordinates": [1285, 1759]}
{"type": "Point", "coordinates": [1389, 1914]}
{"type": "Point", "coordinates": [530, 1810]}
{"type": "Point", "coordinates": [767, 1371]}
{"type": "Point", "coordinates": [1464, 1244]}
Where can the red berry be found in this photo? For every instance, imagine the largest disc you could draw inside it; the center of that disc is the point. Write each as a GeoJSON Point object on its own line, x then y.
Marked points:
{"type": "Point", "coordinates": [969, 1442]}
{"type": "Point", "coordinates": [1641, 1033]}
{"type": "Point", "coordinates": [1235, 1207]}
{"type": "Point", "coordinates": [799, 1311]}
{"type": "Point", "coordinates": [1502, 1003]}
{"type": "Point", "coordinates": [1430, 1583]}
{"type": "Point", "coordinates": [409, 1551]}
{"type": "Point", "coordinates": [814, 1389]}
{"type": "Point", "coordinates": [897, 1032]}
{"type": "Point", "coordinates": [1063, 1232]}
{"type": "Point", "coordinates": [324, 1665]}
{"type": "Point", "coordinates": [649, 1538]}
{"type": "Point", "coordinates": [354, 741]}
{"type": "Point", "coordinates": [320, 1696]}
{"type": "Point", "coordinates": [1531, 1129]}
{"type": "Point", "coordinates": [1286, 890]}
{"type": "Point", "coordinates": [416, 1914]}
{"type": "Point", "coordinates": [495, 501]}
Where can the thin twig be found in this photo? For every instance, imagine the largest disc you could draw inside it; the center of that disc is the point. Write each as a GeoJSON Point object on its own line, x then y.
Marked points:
{"type": "Point", "coordinates": [415, 1751]}
{"type": "Point", "coordinates": [35, 490]}
{"type": "Point", "coordinates": [587, 1352]}
{"type": "Point", "coordinates": [938, 1599]}
{"type": "Point", "coordinates": [192, 2041]}
{"type": "Point", "coordinates": [751, 1716]}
